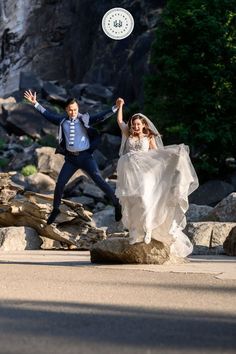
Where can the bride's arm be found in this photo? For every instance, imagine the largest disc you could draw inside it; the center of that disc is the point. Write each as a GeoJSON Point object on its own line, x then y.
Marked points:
{"type": "Point", "coordinates": [152, 143]}
{"type": "Point", "coordinates": [123, 127]}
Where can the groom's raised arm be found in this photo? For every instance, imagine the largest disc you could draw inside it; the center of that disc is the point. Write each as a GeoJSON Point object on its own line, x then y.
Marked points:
{"type": "Point", "coordinates": [99, 117]}
{"type": "Point", "coordinates": [49, 115]}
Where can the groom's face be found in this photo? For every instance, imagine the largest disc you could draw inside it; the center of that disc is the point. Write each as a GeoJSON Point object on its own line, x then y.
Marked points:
{"type": "Point", "coordinates": [72, 110]}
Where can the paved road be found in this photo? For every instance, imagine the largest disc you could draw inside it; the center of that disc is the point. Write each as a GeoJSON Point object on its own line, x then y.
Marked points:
{"type": "Point", "coordinates": [57, 302]}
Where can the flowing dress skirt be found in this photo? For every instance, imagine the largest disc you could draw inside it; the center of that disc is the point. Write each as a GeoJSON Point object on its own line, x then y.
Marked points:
{"type": "Point", "coordinates": [153, 189]}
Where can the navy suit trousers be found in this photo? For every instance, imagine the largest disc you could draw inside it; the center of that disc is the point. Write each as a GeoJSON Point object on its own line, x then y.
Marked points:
{"type": "Point", "coordinates": [85, 162]}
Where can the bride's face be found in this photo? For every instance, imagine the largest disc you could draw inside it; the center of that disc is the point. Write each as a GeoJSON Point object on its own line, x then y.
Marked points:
{"type": "Point", "coordinates": [137, 126]}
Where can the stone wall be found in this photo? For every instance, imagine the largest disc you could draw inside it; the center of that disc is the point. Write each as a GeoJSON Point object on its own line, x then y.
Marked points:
{"type": "Point", "coordinates": [63, 40]}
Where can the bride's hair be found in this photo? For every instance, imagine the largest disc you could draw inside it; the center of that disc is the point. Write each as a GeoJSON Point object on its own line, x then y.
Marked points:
{"type": "Point", "coordinates": [146, 129]}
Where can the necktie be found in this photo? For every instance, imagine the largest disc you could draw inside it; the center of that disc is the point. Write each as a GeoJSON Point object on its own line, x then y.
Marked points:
{"type": "Point", "coordinates": [72, 133]}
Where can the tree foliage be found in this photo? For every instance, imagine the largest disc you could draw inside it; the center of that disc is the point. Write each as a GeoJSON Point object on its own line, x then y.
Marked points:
{"type": "Point", "coordinates": [190, 93]}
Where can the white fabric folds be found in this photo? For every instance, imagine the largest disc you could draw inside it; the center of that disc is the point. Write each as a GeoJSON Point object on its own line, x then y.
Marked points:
{"type": "Point", "coordinates": [153, 188]}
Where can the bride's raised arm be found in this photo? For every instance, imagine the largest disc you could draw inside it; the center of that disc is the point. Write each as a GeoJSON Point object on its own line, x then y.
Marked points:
{"type": "Point", "coordinates": [123, 126]}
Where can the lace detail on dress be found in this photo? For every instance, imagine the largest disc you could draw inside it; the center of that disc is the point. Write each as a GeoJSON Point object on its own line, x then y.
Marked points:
{"type": "Point", "coordinates": [135, 144]}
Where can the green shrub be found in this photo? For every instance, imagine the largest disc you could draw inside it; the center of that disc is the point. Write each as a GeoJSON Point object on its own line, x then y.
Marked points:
{"type": "Point", "coordinates": [2, 143]}
{"type": "Point", "coordinates": [4, 162]}
{"type": "Point", "coordinates": [28, 170]}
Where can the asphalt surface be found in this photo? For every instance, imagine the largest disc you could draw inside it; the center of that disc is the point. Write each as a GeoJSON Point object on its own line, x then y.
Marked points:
{"type": "Point", "coordinates": [58, 302]}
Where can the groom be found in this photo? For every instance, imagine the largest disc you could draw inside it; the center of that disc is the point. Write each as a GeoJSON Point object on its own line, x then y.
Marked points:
{"type": "Point", "coordinates": [77, 141]}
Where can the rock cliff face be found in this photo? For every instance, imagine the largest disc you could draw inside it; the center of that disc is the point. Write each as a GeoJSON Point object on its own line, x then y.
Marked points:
{"type": "Point", "coordinates": [63, 40]}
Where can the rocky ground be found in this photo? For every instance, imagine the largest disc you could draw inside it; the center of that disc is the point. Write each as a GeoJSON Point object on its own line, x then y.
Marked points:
{"type": "Point", "coordinates": [24, 213]}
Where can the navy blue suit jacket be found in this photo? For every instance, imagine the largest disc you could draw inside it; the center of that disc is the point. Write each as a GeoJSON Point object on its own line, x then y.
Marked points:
{"type": "Point", "coordinates": [93, 134]}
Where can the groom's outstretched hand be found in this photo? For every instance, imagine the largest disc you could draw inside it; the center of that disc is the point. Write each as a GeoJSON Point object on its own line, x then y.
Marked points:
{"type": "Point", "coordinates": [119, 102]}
{"type": "Point", "coordinates": [31, 97]}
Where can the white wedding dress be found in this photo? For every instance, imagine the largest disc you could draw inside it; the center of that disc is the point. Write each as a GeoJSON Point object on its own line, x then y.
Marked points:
{"type": "Point", "coordinates": [153, 188]}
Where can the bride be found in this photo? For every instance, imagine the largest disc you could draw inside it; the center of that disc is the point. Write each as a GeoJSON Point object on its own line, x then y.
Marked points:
{"type": "Point", "coordinates": [153, 184]}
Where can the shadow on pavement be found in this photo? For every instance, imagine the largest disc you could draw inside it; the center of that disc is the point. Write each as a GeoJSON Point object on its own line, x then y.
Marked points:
{"type": "Point", "coordinates": [56, 327]}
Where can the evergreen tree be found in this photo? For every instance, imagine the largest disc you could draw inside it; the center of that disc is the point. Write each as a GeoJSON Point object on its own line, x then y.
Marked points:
{"type": "Point", "coordinates": [190, 93]}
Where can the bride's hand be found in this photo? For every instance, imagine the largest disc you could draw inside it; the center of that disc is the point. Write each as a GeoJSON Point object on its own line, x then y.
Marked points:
{"type": "Point", "coordinates": [120, 102]}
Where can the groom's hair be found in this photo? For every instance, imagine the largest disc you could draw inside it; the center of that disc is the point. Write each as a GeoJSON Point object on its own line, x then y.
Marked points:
{"type": "Point", "coordinates": [71, 100]}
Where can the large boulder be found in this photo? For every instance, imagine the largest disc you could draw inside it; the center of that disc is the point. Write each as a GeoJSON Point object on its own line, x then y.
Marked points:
{"type": "Point", "coordinates": [91, 190]}
{"type": "Point", "coordinates": [100, 159]}
{"type": "Point", "coordinates": [110, 170]}
{"type": "Point", "coordinates": [110, 146]}
{"type": "Point", "coordinates": [48, 162]}
{"type": "Point", "coordinates": [53, 92]}
{"type": "Point", "coordinates": [118, 250]}
{"type": "Point", "coordinates": [229, 244]}
{"type": "Point", "coordinates": [198, 212]}
{"type": "Point", "coordinates": [85, 201]}
{"type": "Point", "coordinates": [40, 183]}
{"type": "Point", "coordinates": [19, 239]}
{"type": "Point", "coordinates": [208, 237]}
{"type": "Point", "coordinates": [77, 90]}
{"type": "Point", "coordinates": [24, 119]}
{"type": "Point", "coordinates": [21, 159]}
{"type": "Point", "coordinates": [211, 193]}
{"type": "Point", "coordinates": [98, 92]}
{"type": "Point", "coordinates": [232, 179]}
{"type": "Point", "coordinates": [106, 219]}
{"type": "Point", "coordinates": [225, 210]}
{"type": "Point", "coordinates": [28, 80]}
